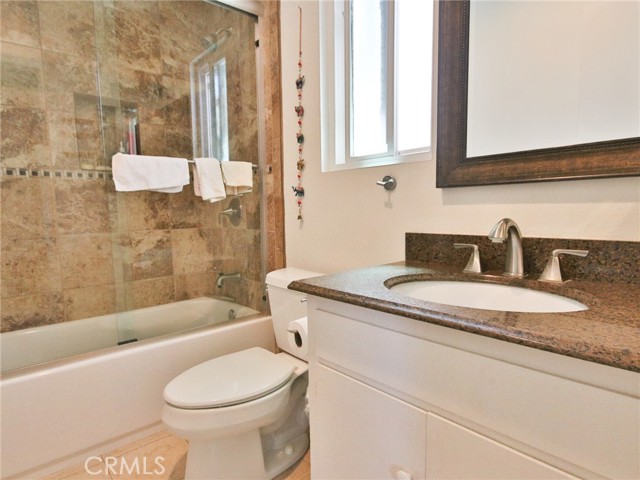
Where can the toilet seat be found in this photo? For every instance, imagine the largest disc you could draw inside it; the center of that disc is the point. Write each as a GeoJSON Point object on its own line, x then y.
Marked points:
{"type": "Point", "coordinates": [229, 380]}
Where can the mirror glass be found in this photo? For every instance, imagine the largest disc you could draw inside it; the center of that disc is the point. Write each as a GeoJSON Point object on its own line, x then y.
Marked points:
{"type": "Point", "coordinates": [551, 74]}
{"type": "Point", "coordinates": [532, 91]}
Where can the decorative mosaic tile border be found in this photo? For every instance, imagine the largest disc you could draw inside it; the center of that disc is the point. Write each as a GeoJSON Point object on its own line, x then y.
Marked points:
{"type": "Point", "coordinates": [20, 172]}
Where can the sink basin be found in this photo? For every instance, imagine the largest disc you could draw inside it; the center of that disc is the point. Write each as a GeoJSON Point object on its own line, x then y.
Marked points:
{"type": "Point", "coordinates": [488, 296]}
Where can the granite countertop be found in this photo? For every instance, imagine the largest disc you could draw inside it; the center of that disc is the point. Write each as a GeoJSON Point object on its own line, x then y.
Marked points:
{"type": "Point", "coordinates": [607, 333]}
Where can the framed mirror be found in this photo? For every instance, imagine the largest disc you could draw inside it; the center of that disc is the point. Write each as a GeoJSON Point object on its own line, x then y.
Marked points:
{"type": "Point", "coordinates": [613, 153]}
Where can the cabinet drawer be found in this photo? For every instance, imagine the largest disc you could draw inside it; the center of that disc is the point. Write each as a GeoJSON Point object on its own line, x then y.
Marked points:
{"type": "Point", "coordinates": [560, 421]}
{"type": "Point", "coordinates": [457, 453]}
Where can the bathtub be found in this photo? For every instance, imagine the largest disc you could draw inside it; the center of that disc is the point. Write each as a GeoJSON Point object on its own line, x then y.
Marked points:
{"type": "Point", "coordinates": [58, 413]}
{"type": "Point", "coordinates": [32, 346]}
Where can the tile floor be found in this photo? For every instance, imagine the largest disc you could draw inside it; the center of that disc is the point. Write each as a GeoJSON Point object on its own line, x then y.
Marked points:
{"type": "Point", "coordinates": [137, 461]}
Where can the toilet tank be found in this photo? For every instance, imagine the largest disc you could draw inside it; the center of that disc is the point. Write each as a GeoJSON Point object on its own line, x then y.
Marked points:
{"type": "Point", "coordinates": [286, 305]}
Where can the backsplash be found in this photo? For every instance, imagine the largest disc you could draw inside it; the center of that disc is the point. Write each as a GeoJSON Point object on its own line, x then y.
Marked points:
{"type": "Point", "coordinates": [608, 261]}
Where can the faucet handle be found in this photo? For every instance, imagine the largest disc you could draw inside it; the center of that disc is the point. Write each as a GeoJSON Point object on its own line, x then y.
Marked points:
{"type": "Point", "coordinates": [473, 265]}
{"type": "Point", "coordinates": [552, 272]}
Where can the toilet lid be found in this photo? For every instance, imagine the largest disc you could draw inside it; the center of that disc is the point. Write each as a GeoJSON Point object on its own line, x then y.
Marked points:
{"type": "Point", "coordinates": [228, 380]}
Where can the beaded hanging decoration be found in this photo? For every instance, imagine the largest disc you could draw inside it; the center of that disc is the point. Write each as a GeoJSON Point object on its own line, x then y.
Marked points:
{"type": "Point", "coordinates": [298, 190]}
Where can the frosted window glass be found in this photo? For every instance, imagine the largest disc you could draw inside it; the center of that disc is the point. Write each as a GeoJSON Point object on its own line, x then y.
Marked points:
{"type": "Point", "coordinates": [368, 87]}
{"type": "Point", "coordinates": [413, 57]}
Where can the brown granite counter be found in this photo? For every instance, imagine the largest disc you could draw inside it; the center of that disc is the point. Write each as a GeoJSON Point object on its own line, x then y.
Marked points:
{"type": "Point", "coordinates": [607, 333]}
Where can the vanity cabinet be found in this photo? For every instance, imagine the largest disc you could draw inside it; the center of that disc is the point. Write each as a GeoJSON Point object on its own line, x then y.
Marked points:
{"type": "Point", "coordinates": [372, 435]}
{"type": "Point", "coordinates": [392, 397]}
{"type": "Point", "coordinates": [367, 433]}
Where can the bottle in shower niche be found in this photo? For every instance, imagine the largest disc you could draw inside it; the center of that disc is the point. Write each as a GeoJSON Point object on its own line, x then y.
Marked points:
{"type": "Point", "coordinates": [132, 131]}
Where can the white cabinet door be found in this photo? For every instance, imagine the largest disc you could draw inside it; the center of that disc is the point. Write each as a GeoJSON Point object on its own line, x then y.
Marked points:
{"type": "Point", "coordinates": [358, 432]}
{"type": "Point", "coordinates": [454, 452]}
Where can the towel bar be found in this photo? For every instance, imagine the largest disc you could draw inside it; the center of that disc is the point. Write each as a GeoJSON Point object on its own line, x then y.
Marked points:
{"type": "Point", "coordinates": [254, 166]}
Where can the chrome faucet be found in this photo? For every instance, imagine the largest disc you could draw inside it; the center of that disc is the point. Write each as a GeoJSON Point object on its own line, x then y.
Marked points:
{"type": "Point", "coordinates": [227, 276]}
{"type": "Point", "coordinates": [507, 229]}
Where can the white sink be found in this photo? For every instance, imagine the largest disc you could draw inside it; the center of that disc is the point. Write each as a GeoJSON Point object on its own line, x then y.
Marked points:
{"type": "Point", "coordinates": [488, 296]}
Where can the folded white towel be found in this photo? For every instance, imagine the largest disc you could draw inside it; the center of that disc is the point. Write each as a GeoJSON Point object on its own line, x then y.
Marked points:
{"type": "Point", "coordinates": [207, 179]}
{"type": "Point", "coordinates": [143, 172]}
{"type": "Point", "coordinates": [238, 177]}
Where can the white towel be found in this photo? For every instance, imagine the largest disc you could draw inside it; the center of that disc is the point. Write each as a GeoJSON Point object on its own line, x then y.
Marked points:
{"type": "Point", "coordinates": [207, 179]}
{"type": "Point", "coordinates": [238, 177]}
{"type": "Point", "coordinates": [143, 172]}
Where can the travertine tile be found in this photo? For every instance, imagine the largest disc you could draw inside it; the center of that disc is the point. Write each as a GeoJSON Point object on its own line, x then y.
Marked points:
{"type": "Point", "coordinates": [137, 29]}
{"type": "Point", "coordinates": [254, 255]}
{"type": "Point", "coordinates": [152, 140]}
{"type": "Point", "coordinates": [181, 22]}
{"type": "Point", "coordinates": [25, 138]}
{"type": "Point", "coordinates": [160, 457]}
{"type": "Point", "coordinates": [82, 206]}
{"type": "Point", "coordinates": [28, 209]}
{"type": "Point", "coordinates": [176, 105]}
{"type": "Point", "coordinates": [20, 23]}
{"type": "Point", "coordinates": [148, 293]}
{"type": "Point", "coordinates": [87, 302]}
{"type": "Point", "coordinates": [64, 140]}
{"type": "Point", "coordinates": [146, 255]}
{"type": "Point", "coordinates": [31, 311]}
{"type": "Point", "coordinates": [143, 211]}
{"type": "Point", "coordinates": [184, 24]}
{"type": "Point", "coordinates": [189, 211]}
{"type": "Point", "coordinates": [21, 78]}
{"type": "Point", "coordinates": [30, 266]}
{"type": "Point", "coordinates": [139, 444]}
{"type": "Point", "coordinates": [196, 284]}
{"type": "Point", "coordinates": [192, 250]}
{"type": "Point", "coordinates": [86, 260]}
{"type": "Point", "coordinates": [171, 454]}
{"type": "Point", "coordinates": [145, 90]}
{"type": "Point", "coordinates": [89, 131]}
{"type": "Point", "coordinates": [235, 245]}
{"type": "Point", "coordinates": [178, 142]}
{"type": "Point", "coordinates": [251, 203]}
{"type": "Point", "coordinates": [67, 27]}
{"type": "Point", "coordinates": [92, 469]}
{"type": "Point", "coordinates": [65, 75]}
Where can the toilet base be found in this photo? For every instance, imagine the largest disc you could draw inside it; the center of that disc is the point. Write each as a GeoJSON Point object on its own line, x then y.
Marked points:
{"type": "Point", "coordinates": [278, 461]}
{"type": "Point", "coordinates": [256, 453]}
{"type": "Point", "coordinates": [204, 458]}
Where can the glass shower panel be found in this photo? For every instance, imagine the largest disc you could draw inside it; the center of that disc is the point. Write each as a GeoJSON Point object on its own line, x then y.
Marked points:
{"type": "Point", "coordinates": [107, 77]}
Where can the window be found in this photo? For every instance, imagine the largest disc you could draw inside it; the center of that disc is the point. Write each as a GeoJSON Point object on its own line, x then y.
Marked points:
{"type": "Point", "coordinates": [376, 67]}
{"type": "Point", "coordinates": [214, 134]}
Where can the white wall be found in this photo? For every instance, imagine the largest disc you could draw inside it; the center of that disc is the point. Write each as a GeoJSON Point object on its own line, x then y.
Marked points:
{"type": "Point", "coordinates": [351, 222]}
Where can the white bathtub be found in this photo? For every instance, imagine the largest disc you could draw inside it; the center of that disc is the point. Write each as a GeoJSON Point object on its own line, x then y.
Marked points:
{"type": "Point", "coordinates": [58, 413]}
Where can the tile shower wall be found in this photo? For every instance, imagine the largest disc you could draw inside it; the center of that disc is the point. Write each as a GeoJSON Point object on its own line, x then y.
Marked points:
{"type": "Point", "coordinates": [71, 247]}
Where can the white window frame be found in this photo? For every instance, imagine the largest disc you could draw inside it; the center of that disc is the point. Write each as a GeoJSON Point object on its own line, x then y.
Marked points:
{"type": "Point", "coordinates": [334, 97]}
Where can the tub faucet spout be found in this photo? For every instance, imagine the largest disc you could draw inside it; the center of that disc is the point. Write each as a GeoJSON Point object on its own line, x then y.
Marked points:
{"type": "Point", "coordinates": [222, 277]}
{"type": "Point", "coordinates": [507, 229]}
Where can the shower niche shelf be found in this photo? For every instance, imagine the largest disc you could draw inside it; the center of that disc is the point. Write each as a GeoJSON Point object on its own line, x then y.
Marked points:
{"type": "Point", "coordinates": [105, 126]}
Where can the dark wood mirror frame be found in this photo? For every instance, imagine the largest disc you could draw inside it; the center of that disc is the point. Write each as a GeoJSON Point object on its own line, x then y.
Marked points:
{"type": "Point", "coordinates": [616, 158]}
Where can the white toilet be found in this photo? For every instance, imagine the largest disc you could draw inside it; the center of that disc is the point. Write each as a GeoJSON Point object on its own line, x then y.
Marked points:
{"type": "Point", "coordinates": [244, 413]}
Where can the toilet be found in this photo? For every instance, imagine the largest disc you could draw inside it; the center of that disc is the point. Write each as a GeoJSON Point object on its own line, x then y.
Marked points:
{"type": "Point", "coordinates": [243, 414]}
